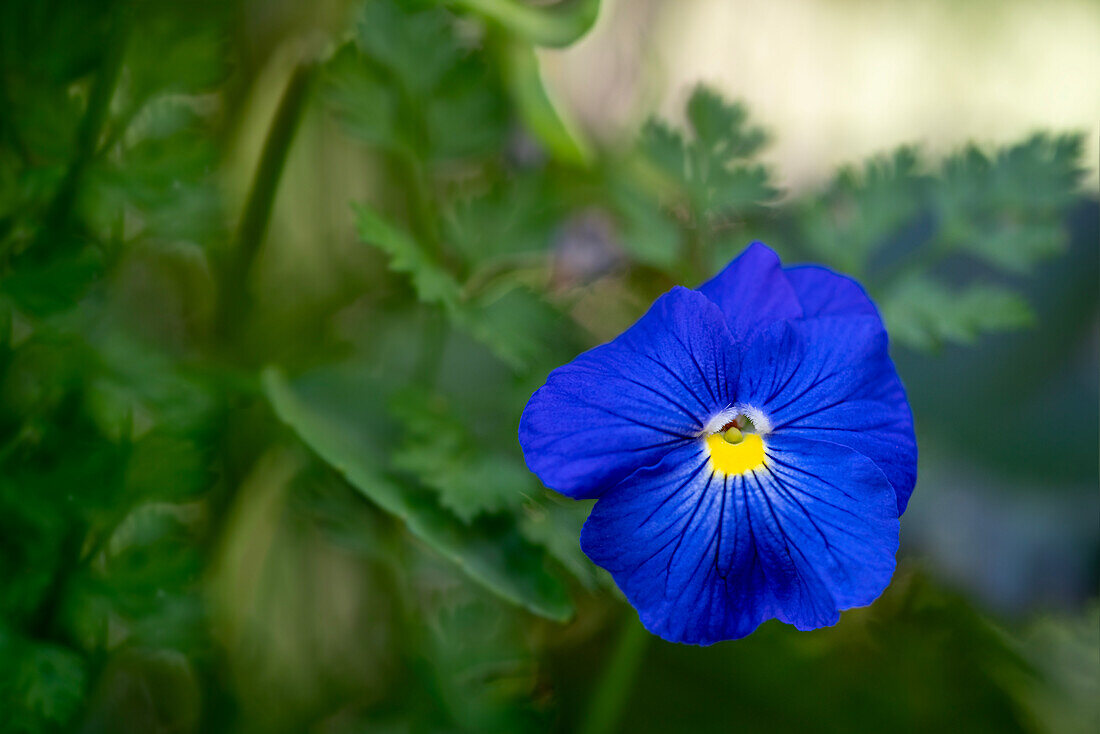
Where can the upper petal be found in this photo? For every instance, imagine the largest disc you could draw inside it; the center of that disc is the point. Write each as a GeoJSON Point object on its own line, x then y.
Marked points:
{"type": "Point", "coordinates": [626, 404]}
{"type": "Point", "coordinates": [831, 379]}
{"type": "Point", "coordinates": [825, 293]}
{"type": "Point", "coordinates": [753, 292]}
{"type": "Point", "coordinates": [707, 557]}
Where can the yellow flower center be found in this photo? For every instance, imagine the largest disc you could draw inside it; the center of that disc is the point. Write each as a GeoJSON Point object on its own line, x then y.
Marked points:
{"type": "Point", "coordinates": [733, 452]}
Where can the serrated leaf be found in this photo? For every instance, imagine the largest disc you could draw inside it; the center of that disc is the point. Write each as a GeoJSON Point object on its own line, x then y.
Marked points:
{"type": "Point", "coordinates": [556, 525]}
{"type": "Point", "coordinates": [414, 45]}
{"type": "Point", "coordinates": [863, 210]}
{"type": "Point", "coordinates": [515, 217]}
{"type": "Point", "coordinates": [721, 128]}
{"type": "Point", "coordinates": [48, 686]}
{"type": "Point", "coordinates": [468, 114]}
{"type": "Point", "coordinates": [432, 283]}
{"type": "Point", "coordinates": [180, 49]}
{"type": "Point", "coordinates": [440, 450]}
{"type": "Point", "coordinates": [647, 233]}
{"type": "Point", "coordinates": [519, 326]}
{"type": "Point", "coordinates": [42, 288]}
{"type": "Point", "coordinates": [1006, 208]}
{"type": "Point", "coordinates": [664, 147]}
{"type": "Point", "coordinates": [358, 94]}
{"type": "Point", "coordinates": [336, 413]}
{"type": "Point", "coordinates": [923, 314]}
{"type": "Point", "coordinates": [713, 170]}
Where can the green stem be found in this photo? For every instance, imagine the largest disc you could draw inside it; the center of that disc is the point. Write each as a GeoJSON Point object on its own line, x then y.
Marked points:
{"type": "Point", "coordinates": [696, 263]}
{"type": "Point", "coordinates": [613, 688]}
{"type": "Point", "coordinates": [431, 354]}
{"type": "Point", "coordinates": [261, 197]}
{"type": "Point", "coordinates": [58, 219]}
{"type": "Point", "coordinates": [418, 201]}
{"type": "Point", "coordinates": [557, 25]}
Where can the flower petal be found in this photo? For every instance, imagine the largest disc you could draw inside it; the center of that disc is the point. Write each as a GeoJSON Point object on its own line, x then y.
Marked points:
{"type": "Point", "coordinates": [706, 557]}
{"type": "Point", "coordinates": [753, 292]}
{"type": "Point", "coordinates": [831, 379]}
{"type": "Point", "coordinates": [626, 404]}
{"type": "Point", "coordinates": [658, 535]}
{"type": "Point", "coordinates": [839, 515]}
{"type": "Point", "coordinates": [825, 293]}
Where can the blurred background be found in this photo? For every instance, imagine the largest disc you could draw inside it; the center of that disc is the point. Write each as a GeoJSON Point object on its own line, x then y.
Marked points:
{"type": "Point", "coordinates": [276, 280]}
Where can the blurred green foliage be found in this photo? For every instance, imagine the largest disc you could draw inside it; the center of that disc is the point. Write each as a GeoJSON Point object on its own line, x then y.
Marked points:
{"type": "Point", "coordinates": [216, 515]}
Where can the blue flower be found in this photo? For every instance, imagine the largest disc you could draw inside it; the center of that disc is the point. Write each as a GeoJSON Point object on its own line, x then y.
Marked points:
{"type": "Point", "coordinates": [750, 446]}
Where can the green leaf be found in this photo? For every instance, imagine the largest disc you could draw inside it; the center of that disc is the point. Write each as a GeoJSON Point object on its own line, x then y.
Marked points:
{"type": "Point", "coordinates": [1007, 209]}
{"type": "Point", "coordinates": [441, 451]}
{"type": "Point", "coordinates": [432, 283]}
{"type": "Point", "coordinates": [44, 684]}
{"type": "Point", "coordinates": [665, 149]}
{"type": "Point", "coordinates": [483, 666]}
{"type": "Point", "coordinates": [468, 113]}
{"type": "Point", "coordinates": [515, 217]}
{"type": "Point", "coordinates": [921, 313]}
{"type": "Point", "coordinates": [647, 233]}
{"type": "Point", "coordinates": [714, 170]}
{"type": "Point", "coordinates": [415, 46]}
{"type": "Point", "coordinates": [179, 49]}
{"type": "Point", "coordinates": [722, 128]}
{"type": "Point", "coordinates": [555, 523]}
{"type": "Point", "coordinates": [167, 467]}
{"type": "Point", "coordinates": [559, 24]}
{"type": "Point", "coordinates": [519, 326]}
{"type": "Point", "coordinates": [42, 288]}
{"type": "Point", "coordinates": [336, 413]}
{"type": "Point", "coordinates": [863, 210]}
{"type": "Point", "coordinates": [1004, 208]}
{"type": "Point", "coordinates": [357, 93]}
{"type": "Point", "coordinates": [417, 85]}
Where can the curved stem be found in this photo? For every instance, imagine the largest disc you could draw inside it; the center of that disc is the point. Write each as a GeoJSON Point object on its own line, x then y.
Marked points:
{"type": "Point", "coordinates": [555, 25]}
{"type": "Point", "coordinates": [252, 229]}
{"type": "Point", "coordinates": [59, 218]}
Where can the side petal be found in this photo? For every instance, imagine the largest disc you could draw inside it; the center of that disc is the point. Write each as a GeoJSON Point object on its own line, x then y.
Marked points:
{"type": "Point", "coordinates": [837, 515]}
{"type": "Point", "coordinates": [706, 557]}
{"type": "Point", "coordinates": [753, 292]}
{"type": "Point", "coordinates": [821, 292]}
{"type": "Point", "coordinates": [831, 379]}
{"type": "Point", "coordinates": [626, 404]}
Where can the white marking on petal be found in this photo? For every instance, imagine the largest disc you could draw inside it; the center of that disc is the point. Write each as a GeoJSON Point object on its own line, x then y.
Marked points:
{"type": "Point", "coordinates": [718, 420]}
{"type": "Point", "coordinates": [754, 414]}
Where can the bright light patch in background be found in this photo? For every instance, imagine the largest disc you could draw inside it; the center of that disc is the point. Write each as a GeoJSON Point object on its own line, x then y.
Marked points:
{"type": "Point", "coordinates": [838, 81]}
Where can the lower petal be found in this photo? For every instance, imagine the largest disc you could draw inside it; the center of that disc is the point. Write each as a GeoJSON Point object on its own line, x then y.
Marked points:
{"type": "Point", "coordinates": [704, 556]}
{"type": "Point", "coordinates": [837, 514]}
{"type": "Point", "coordinates": [658, 533]}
